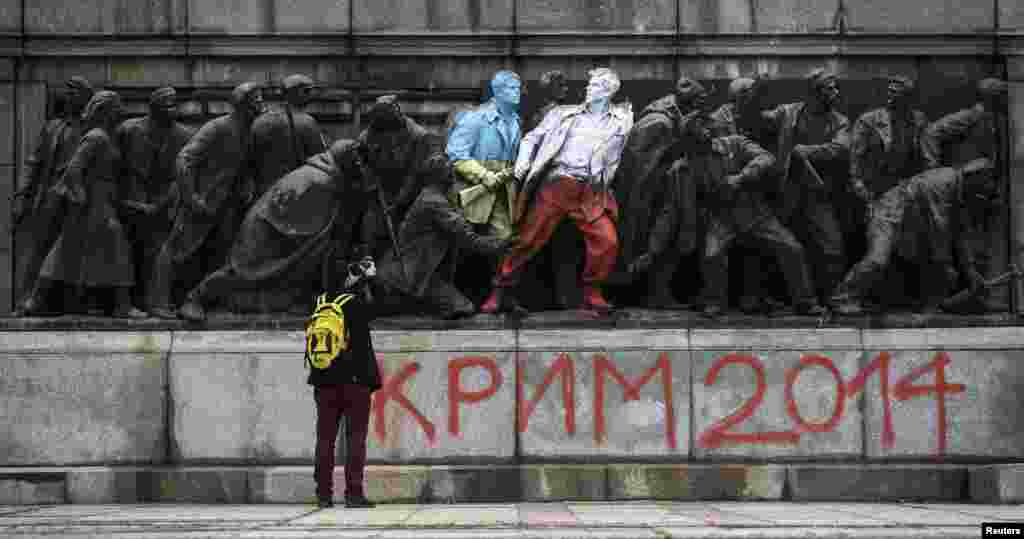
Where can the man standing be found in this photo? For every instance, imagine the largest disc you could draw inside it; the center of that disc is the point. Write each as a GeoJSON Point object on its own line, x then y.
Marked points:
{"type": "Point", "coordinates": [282, 140]}
{"type": "Point", "coordinates": [568, 162]}
{"type": "Point", "coordinates": [813, 153]}
{"type": "Point", "coordinates": [885, 154]}
{"type": "Point", "coordinates": [213, 184]}
{"type": "Point", "coordinates": [149, 146]}
{"type": "Point", "coordinates": [37, 212]}
{"type": "Point", "coordinates": [395, 150]}
{"type": "Point", "coordinates": [659, 221]}
{"type": "Point", "coordinates": [344, 389]}
{"type": "Point", "coordinates": [741, 115]}
{"type": "Point", "coordinates": [731, 167]}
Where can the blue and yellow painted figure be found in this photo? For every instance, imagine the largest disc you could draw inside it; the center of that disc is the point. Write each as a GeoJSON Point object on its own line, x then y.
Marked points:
{"type": "Point", "coordinates": [482, 145]}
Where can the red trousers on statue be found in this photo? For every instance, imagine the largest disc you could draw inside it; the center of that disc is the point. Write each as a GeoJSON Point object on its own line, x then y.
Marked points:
{"type": "Point", "coordinates": [593, 212]}
{"type": "Point", "coordinates": [333, 402]}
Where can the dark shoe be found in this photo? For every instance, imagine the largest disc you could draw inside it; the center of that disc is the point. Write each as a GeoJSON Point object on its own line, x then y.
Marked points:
{"type": "Point", "coordinates": [712, 311]}
{"type": "Point", "coordinates": [849, 308]}
{"type": "Point", "coordinates": [163, 313]}
{"type": "Point", "coordinates": [809, 309]}
{"type": "Point", "coordinates": [751, 305]}
{"type": "Point", "coordinates": [358, 502]}
{"type": "Point", "coordinates": [192, 311]}
{"type": "Point", "coordinates": [500, 301]}
{"type": "Point", "coordinates": [129, 312]}
{"type": "Point", "coordinates": [592, 299]}
{"type": "Point", "coordinates": [324, 503]}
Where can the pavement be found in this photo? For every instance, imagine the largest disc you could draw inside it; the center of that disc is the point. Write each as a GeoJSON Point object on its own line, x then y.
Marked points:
{"type": "Point", "coordinates": [552, 520]}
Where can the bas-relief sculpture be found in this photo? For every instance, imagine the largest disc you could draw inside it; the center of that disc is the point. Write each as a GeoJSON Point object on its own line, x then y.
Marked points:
{"type": "Point", "coordinates": [256, 202]}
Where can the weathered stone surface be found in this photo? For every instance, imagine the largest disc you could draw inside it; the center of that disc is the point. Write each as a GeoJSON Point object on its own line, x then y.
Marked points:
{"type": "Point", "coordinates": [735, 416]}
{"type": "Point", "coordinates": [452, 425]}
{"type": "Point", "coordinates": [295, 484]}
{"type": "Point", "coordinates": [204, 485]}
{"type": "Point", "coordinates": [82, 397]}
{"type": "Point", "coordinates": [475, 484]}
{"type": "Point", "coordinates": [774, 16]}
{"type": "Point", "coordinates": [1000, 483]}
{"type": "Point", "coordinates": [973, 338]}
{"type": "Point", "coordinates": [460, 340]}
{"type": "Point", "coordinates": [6, 255]}
{"type": "Point", "coordinates": [858, 482]}
{"type": "Point", "coordinates": [107, 485]}
{"type": "Point", "coordinates": [931, 16]}
{"type": "Point", "coordinates": [431, 15]}
{"type": "Point", "coordinates": [980, 418]}
{"type": "Point", "coordinates": [275, 16]}
{"type": "Point", "coordinates": [106, 17]}
{"type": "Point", "coordinates": [597, 416]}
{"type": "Point", "coordinates": [7, 124]}
{"type": "Point", "coordinates": [590, 339]}
{"type": "Point", "coordinates": [10, 16]}
{"type": "Point", "coordinates": [774, 339]}
{"type": "Point", "coordinates": [551, 482]}
{"type": "Point", "coordinates": [695, 482]}
{"type": "Point", "coordinates": [256, 401]}
{"type": "Point", "coordinates": [620, 15]}
{"type": "Point", "coordinates": [23, 486]}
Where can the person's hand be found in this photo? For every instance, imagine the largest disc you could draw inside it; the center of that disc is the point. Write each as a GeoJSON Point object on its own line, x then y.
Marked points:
{"type": "Point", "coordinates": [861, 192]}
{"type": "Point", "coordinates": [199, 205]}
{"type": "Point", "coordinates": [734, 181]}
{"type": "Point", "coordinates": [18, 208]}
{"type": "Point", "coordinates": [491, 181]}
{"type": "Point", "coordinates": [802, 150]}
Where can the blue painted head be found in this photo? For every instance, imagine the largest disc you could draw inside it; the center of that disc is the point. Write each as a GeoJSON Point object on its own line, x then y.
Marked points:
{"type": "Point", "coordinates": [506, 88]}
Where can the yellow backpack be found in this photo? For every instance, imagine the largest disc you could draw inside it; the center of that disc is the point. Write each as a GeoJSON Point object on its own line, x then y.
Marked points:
{"type": "Point", "coordinates": [326, 334]}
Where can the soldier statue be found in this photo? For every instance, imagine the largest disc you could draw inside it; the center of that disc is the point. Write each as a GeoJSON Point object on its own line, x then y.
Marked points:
{"type": "Point", "coordinates": [37, 212]}
{"type": "Point", "coordinates": [92, 250]}
{"type": "Point", "coordinates": [149, 146]}
{"type": "Point", "coordinates": [813, 143]}
{"type": "Point", "coordinates": [213, 184]}
{"type": "Point", "coordinates": [660, 218]}
{"type": "Point", "coordinates": [283, 139]}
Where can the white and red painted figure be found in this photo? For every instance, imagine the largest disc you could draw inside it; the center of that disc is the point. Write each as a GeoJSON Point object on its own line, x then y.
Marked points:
{"type": "Point", "coordinates": [565, 166]}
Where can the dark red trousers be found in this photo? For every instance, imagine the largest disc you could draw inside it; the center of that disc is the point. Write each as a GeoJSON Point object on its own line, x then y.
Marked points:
{"type": "Point", "coordinates": [333, 402]}
{"type": "Point", "coordinates": [592, 212]}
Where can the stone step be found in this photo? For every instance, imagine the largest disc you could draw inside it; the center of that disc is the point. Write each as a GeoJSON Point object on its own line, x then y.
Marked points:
{"type": "Point", "coordinates": [527, 482]}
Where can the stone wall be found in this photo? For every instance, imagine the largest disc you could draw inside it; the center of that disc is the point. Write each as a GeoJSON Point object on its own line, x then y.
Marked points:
{"type": "Point", "coordinates": [463, 397]}
{"type": "Point", "coordinates": [441, 51]}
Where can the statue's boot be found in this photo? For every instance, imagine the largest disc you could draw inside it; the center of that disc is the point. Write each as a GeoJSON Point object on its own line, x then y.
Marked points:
{"type": "Point", "coordinates": [124, 307]}
{"type": "Point", "coordinates": [192, 310]}
{"type": "Point", "coordinates": [501, 300]}
{"type": "Point", "coordinates": [593, 299]}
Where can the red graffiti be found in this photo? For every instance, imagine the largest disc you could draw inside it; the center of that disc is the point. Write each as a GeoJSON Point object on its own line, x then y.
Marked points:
{"type": "Point", "coordinates": [718, 433]}
{"type": "Point", "coordinates": [392, 389]}
{"type": "Point", "coordinates": [881, 365]}
{"type": "Point", "coordinates": [631, 391]}
{"type": "Point", "coordinates": [904, 390]}
{"type": "Point", "coordinates": [456, 394]}
{"type": "Point", "coordinates": [564, 366]}
{"type": "Point", "coordinates": [794, 411]}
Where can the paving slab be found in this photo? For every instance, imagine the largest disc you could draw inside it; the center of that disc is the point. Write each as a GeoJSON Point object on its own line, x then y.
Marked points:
{"type": "Point", "coordinates": [797, 514]}
{"type": "Point", "coordinates": [464, 515]}
{"type": "Point", "coordinates": [340, 517]}
{"type": "Point", "coordinates": [547, 514]}
{"type": "Point", "coordinates": [899, 514]}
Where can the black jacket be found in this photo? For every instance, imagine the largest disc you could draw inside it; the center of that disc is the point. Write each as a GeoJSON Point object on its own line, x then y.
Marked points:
{"type": "Point", "coordinates": [358, 364]}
